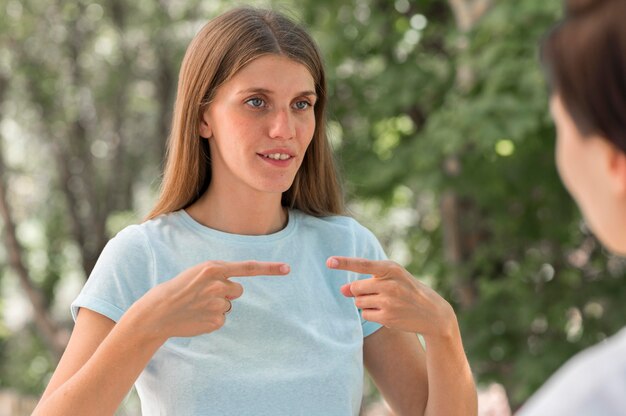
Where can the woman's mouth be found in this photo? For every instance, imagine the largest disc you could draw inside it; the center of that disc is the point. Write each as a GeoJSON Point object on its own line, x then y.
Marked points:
{"type": "Point", "coordinates": [278, 159]}
{"type": "Point", "coordinates": [277, 156]}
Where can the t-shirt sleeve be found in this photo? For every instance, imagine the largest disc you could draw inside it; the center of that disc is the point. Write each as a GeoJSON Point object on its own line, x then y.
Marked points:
{"type": "Point", "coordinates": [372, 250]}
{"type": "Point", "coordinates": [121, 275]}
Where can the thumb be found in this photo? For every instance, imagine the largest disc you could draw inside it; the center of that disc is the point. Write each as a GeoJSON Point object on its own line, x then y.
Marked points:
{"type": "Point", "coordinates": [345, 290]}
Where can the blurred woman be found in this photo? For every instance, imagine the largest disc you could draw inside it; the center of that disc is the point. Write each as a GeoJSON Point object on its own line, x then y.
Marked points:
{"type": "Point", "coordinates": [585, 59]}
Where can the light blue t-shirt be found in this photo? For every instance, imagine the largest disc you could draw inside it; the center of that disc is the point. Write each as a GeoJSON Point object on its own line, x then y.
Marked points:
{"type": "Point", "coordinates": [292, 345]}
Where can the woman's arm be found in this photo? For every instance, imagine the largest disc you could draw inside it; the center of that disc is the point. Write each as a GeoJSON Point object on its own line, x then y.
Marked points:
{"type": "Point", "coordinates": [437, 381]}
{"type": "Point", "coordinates": [397, 364]}
{"type": "Point", "coordinates": [99, 366]}
{"type": "Point", "coordinates": [103, 359]}
{"type": "Point", "coordinates": [451, 389]}
{"type": "Point", "coordinates": [414, 382]}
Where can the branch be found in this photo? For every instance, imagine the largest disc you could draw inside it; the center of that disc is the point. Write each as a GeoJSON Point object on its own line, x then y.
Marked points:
{"type": "Point", "coordinates": [53, 334]}
{"type": "Point", "coordinates": [468, 12]}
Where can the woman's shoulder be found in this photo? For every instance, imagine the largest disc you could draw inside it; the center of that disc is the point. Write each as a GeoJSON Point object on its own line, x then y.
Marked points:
{"type": "Point", "coordinates": [602, 359]}
{"type": "Point", "coordinates": [140, 233]}
{"type": "Point", "coordinates": [344, 224]}
{"type": "Point", "coordinates": [341, 231]}
{"type": "Point", "coordinates": [331, 221]}
{"type": "Point", "coordinates": [585, 382]}
{"type": "Point", "coordinates": [129, 239]}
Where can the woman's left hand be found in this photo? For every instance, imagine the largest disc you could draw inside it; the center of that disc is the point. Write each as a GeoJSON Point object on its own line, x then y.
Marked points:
{"type": "Point", "coordinates": [394, 298]}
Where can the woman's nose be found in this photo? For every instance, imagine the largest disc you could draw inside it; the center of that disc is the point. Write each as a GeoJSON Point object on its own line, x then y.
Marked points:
{"type": "Point", "coordinates": [282, 125]}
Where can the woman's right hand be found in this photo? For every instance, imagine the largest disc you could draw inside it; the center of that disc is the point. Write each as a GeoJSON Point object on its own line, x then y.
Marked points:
{"type": "Point", "coordinates": [196, 301]}
{"type": "Point", "coordinates": [192, 303]}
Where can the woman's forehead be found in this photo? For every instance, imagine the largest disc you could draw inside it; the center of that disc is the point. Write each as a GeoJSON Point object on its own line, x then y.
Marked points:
{"type": "Point", "coordinates": [274, 71]}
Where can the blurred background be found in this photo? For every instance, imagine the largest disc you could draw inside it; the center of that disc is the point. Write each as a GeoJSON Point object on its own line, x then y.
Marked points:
{"type": "Point", "coordinates": [439, 120]}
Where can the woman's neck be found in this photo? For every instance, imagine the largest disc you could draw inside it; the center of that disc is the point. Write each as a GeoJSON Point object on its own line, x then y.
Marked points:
{"type": "Point", "coordinates": [240, 213]}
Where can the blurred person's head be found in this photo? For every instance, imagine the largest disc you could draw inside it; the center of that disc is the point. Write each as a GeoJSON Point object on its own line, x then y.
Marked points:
{"type": "Point", "coordinates": [585, 61]}
{"type": "Point", "coordinates": [222, 49]}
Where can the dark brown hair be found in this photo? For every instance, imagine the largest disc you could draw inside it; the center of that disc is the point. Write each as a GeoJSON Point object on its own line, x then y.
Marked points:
{"type": "Point", "coordinates": [221, 48]}
{"type": "Point", "coordinates": [585, 61]}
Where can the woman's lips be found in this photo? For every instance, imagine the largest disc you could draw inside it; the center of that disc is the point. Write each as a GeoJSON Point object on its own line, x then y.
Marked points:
{"type": "Point", "coordinates": [277, 159]}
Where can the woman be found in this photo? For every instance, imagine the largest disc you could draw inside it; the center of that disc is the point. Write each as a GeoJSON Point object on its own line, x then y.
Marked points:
{"type": "Point", "coordinates": [585, 57]}
{"type": "Point", "coordinates": [250, 190]}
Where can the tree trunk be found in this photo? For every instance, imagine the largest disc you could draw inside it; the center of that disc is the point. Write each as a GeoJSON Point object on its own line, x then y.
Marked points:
{"type": "Point", "coordinates": [466, 14]}
{"type": "Point", "coordinates": [54, 336]}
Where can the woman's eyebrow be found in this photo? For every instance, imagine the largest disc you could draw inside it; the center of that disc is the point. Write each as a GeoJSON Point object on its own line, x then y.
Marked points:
{"type": "Point", "coordinates": [307, 93]}
{"type": "Point", "coordinates": [255, 90]}
{"type": "Point", "coordinates": [258, 90]}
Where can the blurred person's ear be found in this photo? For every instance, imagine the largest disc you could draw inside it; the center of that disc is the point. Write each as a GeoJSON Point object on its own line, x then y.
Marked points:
{"type": "Point", "coordinates": [616, 164]}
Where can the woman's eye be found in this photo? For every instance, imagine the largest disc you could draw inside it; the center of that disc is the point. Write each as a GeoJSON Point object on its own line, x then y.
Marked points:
{"type": "Point", "coordinates": [302, 105]}
{"type": "Point", "coordinates": [255, 102]}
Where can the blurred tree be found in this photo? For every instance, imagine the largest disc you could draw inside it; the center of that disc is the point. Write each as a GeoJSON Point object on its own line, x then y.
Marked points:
{"type": "Point", "coordinates": [442, 110]}
{"type": "Point", "coordinates": [85, 118]}
{"type": "Point", "coordinates": [50, 330]}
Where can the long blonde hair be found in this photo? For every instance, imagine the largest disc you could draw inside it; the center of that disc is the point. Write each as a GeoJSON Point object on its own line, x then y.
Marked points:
{"type": "Point", "coordinates": [224, 46]}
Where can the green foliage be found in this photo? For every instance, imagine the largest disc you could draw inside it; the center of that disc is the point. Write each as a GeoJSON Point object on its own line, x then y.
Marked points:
{"type": "Point", "coordinates": [24, 362]}
{"type": "Point", "coordinates": [467, 114]}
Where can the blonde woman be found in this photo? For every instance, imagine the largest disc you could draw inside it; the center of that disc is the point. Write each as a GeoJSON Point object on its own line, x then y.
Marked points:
{"type": "Point", "coordinates": [585, 57]}
{"type": "Point", "coordinates": [246, 291]}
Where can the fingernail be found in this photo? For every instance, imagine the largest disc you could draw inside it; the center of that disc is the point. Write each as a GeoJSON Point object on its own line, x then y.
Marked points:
{"type": "Point", "coordinates": [284, 268]}
{"type": "Point", "coordinates": [333, 262]}
{"type": "Point", "coordinates": [345, 290]}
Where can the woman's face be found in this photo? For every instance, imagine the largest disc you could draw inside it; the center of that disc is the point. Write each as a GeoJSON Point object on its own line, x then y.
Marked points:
{"type": "Point", "coordinates": [260, 124]}
{"type": "Point", "coordinates": [585, 166]}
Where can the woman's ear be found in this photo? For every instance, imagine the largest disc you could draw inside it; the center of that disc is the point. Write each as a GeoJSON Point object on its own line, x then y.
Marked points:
{"type": "Point", "coordinates": [204, 126]}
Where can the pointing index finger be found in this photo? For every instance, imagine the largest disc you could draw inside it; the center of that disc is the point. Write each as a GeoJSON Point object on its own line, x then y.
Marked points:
{"type": "Point", "coordinates": [358, 265]}
{"type": "Point", "coordinates": [255, 268]}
